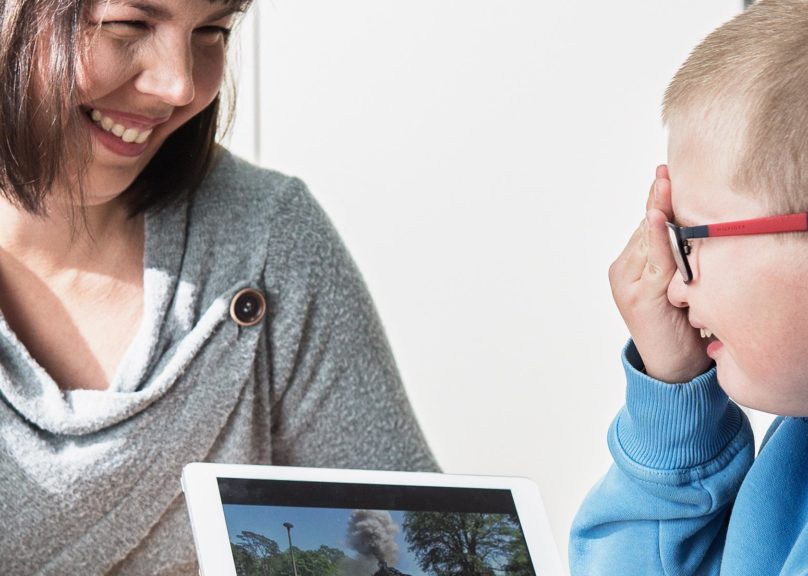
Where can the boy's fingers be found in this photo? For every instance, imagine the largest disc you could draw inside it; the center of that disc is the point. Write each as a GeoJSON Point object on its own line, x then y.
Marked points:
{"type": "Point", "coordinates": [647, 256]}
{"type": "Point", "coordinates": [662, 197]}
{"type": "Point", "coordinates": [660, 265]}
{"type": "Point", "coordinates": [660, 194]}
{"type": "Point", "coordinates": [649, 202]}
{"type": "Point", "coordinates": [628, 267]}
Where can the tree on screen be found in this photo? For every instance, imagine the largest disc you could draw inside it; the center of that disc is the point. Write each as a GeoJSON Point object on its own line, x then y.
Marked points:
{"type": "Point", "coordinates": [254, 554]}
{"type": "Point", "coordinates": [325, 561]}
{"type": "Point", "coordinates": [462, 544]}
{"type": "Point", "coordinates": [258, 555]}
{"type": "Point", "coordinates": [519, 563]}
{"type": "Point", "coordinates": [243, 559]}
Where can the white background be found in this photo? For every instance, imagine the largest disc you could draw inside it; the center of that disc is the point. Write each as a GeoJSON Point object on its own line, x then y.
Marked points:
{"type": "Point", "coordinates": [485, 162]}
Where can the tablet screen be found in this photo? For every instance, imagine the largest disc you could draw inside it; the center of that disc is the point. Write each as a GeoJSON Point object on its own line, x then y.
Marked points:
{"type": "Point", "coordinates": [299, 528]}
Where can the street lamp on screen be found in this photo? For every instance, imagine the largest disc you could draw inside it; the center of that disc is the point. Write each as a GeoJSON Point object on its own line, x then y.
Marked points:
{"type": "Point", "coordinates": [289, 526]}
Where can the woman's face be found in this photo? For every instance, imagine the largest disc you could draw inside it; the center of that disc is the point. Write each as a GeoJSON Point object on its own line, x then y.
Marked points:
{"type": "Point", "coordinates": [150, 66]}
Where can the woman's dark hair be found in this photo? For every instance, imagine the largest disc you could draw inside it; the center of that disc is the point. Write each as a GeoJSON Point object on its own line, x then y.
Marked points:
{"type": "Point", "coordinates": [44, 142]}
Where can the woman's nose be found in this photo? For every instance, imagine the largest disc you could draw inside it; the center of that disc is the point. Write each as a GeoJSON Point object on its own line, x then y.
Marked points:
{"type": "Point", "coordinates": [168, 73]}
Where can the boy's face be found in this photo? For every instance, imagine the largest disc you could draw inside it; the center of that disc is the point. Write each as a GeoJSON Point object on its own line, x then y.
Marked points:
{"type": "Point", "coordinates": [751, 292]}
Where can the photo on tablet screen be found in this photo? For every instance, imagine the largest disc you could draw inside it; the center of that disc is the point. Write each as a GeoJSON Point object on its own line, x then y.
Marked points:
{"type": "Point", "coordinates": [280, 528]}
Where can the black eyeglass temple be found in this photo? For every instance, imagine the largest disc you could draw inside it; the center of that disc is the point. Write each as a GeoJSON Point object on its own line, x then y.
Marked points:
{"type": "Point", "coordinates": [686, 233]}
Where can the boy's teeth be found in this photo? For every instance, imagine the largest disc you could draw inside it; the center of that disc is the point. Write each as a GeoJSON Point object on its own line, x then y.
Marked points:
{"type": "Point", "coordinates": [705, 333]}
{"type": "Point", "coordinates": [119, 130]}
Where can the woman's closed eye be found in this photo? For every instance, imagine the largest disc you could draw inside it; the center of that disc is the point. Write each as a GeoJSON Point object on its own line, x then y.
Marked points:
{"type": "Point", "coordinates": [213, 33]}
{"type": "Point", "coordinates": [126, 28]}
{"type": "Point", "coordinates": [136, 28]}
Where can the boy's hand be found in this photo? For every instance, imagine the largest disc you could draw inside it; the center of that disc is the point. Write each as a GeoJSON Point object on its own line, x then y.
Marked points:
{"type": "Point", "coordinates": [671, 349]}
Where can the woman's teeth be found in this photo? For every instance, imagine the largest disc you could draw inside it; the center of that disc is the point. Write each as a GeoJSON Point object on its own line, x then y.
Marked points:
{"type": "Point", "coordinates": [705, 333]}
{"type": "Point", "coordinates": [126, 134]}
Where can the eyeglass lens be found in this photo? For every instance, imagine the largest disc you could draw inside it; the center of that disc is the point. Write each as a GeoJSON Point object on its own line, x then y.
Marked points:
{"type": "Point", "coordinates": [679, 253]}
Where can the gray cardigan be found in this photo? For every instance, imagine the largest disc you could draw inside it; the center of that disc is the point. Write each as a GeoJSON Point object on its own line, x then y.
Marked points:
{"type": "Point", "coordinates": [89, 480]}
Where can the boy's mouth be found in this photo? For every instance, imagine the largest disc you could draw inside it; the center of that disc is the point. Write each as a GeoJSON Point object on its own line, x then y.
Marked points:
{"type": "Point", "coordinates": [713, 343]}
{"type": "Point", "coordinates": [707, 334]}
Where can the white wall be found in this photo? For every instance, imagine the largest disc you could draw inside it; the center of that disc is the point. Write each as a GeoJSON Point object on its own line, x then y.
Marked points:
{"type": "Point", "coordinates": [485, 162]}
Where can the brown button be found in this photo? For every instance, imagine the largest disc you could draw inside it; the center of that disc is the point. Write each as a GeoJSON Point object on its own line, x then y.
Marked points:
{"type": "Point", "coordinates": [248, 307]}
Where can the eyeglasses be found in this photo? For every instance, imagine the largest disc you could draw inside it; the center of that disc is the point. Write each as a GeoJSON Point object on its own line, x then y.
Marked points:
{"type": "Point", "coordinates": [681, 237]}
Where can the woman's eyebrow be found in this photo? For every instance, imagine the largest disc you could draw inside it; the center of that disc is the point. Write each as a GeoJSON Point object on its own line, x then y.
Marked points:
{"type": "Point", "coordinates": [159, 13]}
{"type": "Point", "coordinates": [226, 11]}
{"type": "Point", "coordinates": [149, 9]}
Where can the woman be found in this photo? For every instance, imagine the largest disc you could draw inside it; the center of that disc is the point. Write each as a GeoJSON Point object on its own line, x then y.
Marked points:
{"type": "Point", "coordinates": [162, 301]}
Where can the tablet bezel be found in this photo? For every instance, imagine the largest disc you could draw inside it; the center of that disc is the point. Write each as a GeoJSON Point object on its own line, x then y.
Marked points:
{"type": "Point", "coordinates": [200, 484]}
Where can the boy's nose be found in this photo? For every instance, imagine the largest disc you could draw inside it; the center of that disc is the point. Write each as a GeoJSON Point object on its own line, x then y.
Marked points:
{"type": "Point", "coordinates": [677, 291]}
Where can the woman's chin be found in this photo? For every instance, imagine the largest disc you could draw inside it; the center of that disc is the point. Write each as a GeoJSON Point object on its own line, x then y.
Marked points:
{"type": "Point", "coordinates": [94, 196]}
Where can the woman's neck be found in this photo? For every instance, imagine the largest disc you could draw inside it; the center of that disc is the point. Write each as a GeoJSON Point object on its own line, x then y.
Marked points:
{"type": "Point", "coordinates": [72, 291]}
{"type": "Point", "coordinates": [91, 239]}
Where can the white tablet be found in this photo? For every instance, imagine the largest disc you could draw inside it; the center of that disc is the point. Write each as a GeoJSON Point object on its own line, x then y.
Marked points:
{"type": "Point", "coordinates": [304, 521]}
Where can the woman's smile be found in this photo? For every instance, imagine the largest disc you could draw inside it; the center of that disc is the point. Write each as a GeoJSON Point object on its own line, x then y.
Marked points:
{"type": "Point", "coordinates": [118, 139]}
{"type": "Point", "coordinates": [122, 133]}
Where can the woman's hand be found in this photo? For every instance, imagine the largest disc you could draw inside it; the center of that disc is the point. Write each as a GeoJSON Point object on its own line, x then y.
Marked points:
{"type": "Point", "coordinates": [671, 349]}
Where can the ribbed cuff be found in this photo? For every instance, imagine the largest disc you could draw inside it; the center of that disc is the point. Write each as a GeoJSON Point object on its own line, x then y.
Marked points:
{"type": "Point", "coordinates": [672, 426]}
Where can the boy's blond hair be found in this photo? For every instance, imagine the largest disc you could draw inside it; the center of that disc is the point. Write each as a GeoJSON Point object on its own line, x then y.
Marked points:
{"type": "Point", "coordinates": [747, 83]}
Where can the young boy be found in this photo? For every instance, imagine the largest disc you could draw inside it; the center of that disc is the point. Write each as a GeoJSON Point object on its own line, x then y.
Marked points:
{"type": "Point", "coordinates": [716, 312]}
